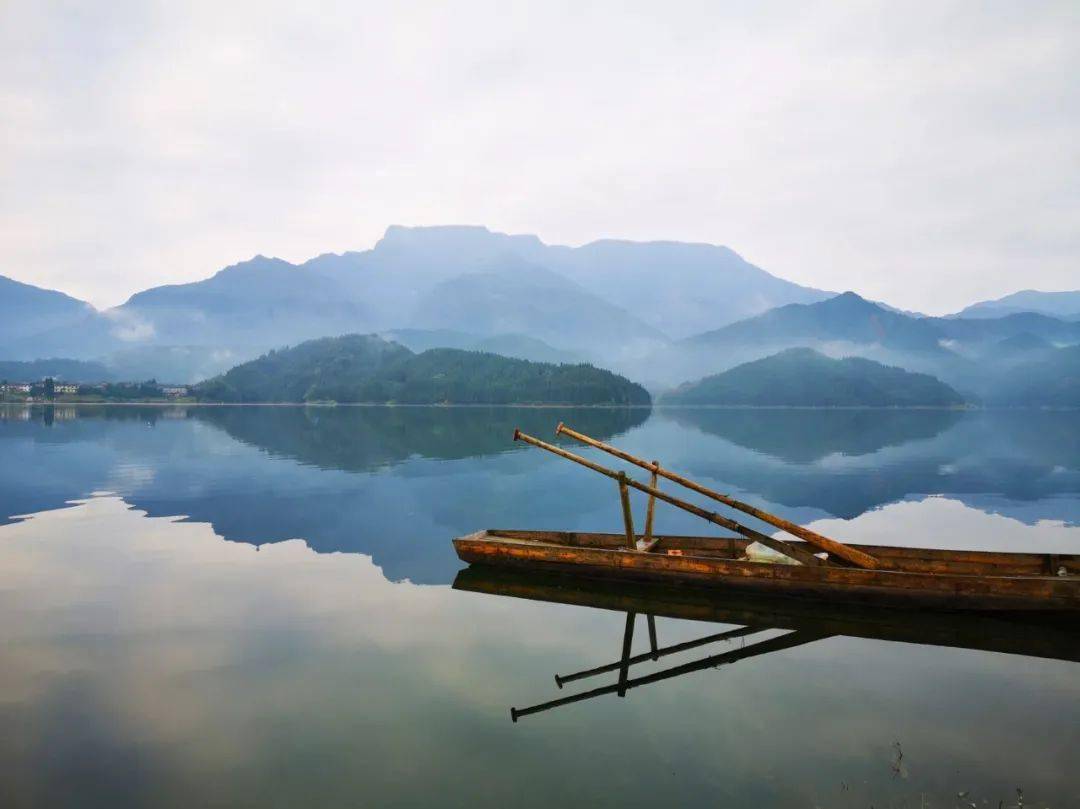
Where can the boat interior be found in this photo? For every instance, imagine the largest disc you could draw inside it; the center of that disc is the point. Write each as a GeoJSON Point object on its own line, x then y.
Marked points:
{"type": "Point", "coordinates": [903, 559]}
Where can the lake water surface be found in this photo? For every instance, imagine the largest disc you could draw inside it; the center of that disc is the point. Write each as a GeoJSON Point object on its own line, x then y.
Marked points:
{"type": "Point", "coordinates": [253, 606]}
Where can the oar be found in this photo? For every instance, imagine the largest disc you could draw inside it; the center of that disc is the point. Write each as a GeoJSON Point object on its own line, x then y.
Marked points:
{"type": "Point", "coordinates": [777, 545]}
{"type": "Point", "coordinates": [846, 552]}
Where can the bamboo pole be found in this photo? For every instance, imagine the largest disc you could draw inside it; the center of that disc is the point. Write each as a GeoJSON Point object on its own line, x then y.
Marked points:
{"type": "Point", "coordinates": [627, 515]}
{"type": "Point", "coordinates": [846, 552]}
{"type": "Point", "coordinates": [777, 545]}
{"type": "Point", "coordinates": [650, 509]}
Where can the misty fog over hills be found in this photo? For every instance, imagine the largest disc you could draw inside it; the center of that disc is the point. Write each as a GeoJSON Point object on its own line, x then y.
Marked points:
{"type": "Point", "coordinates": [660, 313]}
{"type": "Point", "coordinates": [608, 301]}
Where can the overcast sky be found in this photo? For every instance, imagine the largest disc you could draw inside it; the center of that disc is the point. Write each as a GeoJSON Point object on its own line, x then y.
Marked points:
{"type": "Point", "coordinates": [925, 154]}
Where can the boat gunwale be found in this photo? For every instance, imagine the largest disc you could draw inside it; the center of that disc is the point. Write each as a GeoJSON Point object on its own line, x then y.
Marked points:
{"type": "Point", "coordinates": [561, 539]}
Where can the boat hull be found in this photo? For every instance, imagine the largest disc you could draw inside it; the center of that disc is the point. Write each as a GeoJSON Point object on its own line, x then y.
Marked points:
{"type": "Point", "coordinates": [962, 580]}
{"type": "Point", "coordinates": [1054, 636]}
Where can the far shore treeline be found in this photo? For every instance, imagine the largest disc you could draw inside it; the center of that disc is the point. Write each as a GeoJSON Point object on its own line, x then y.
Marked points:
{"type": "Point", "coordinates": [369, 369]}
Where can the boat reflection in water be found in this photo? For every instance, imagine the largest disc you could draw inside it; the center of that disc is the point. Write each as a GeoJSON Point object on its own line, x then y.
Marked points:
{"type": "Point", "coordinates": [754, 621]}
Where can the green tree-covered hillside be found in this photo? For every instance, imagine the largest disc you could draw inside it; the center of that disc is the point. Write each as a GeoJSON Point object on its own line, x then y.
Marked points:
{"type": "Point", "coordinates": [366, 368]}
{"type": "Point", "coordinates": [801, 377]}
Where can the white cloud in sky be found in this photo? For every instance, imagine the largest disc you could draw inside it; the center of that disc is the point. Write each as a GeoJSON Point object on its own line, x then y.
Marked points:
{"type": "Point", "coordinates": [926, 154]}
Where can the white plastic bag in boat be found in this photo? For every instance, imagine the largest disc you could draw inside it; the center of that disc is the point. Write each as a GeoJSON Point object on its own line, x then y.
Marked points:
{"type": "Point", "coordinates": [756, 552]}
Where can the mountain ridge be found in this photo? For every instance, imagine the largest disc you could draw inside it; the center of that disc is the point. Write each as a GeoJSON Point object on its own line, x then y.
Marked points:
{"type": "Point", "coordinates": [26, 309]}
{"type": "Point", "coordinates": [663, 311]}
{"type": "Point", "coordinates": [614, 299]}
{"type": "Point", "coordinates": [1062, 304]}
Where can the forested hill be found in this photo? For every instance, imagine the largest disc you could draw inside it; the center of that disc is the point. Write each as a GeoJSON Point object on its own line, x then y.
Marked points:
{"type": "Point", "coordinates": [802, 377]}
{"type": "Point", "coordinates": [1051, 380]}
{"type": "Point", "coordinates": [366, 368]}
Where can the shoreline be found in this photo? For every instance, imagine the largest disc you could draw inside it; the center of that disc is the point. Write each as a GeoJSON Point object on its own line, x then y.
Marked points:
{"type": "Point", "coordinates": [551, 406]}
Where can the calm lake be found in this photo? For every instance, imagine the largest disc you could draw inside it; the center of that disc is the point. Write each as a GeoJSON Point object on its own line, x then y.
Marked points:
{"type": "Point", "coordinates": [253, 606]}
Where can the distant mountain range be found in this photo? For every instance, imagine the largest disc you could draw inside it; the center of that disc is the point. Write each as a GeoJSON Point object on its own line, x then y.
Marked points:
{"type": "Point", "coordinates": [27, 310]}
{"type": "Point", "coordinates": [968, 354]}
{"type": "Point", "coordinates": [609, 301]}
{"type": "Point", "coordinates": [801, 377]}
{"type": "Point", "coordinates": [1065, 305]}
{"type": "Point", "coordinates": [662, 313]}
{"type": "Point", "coordinates": [59, 369]}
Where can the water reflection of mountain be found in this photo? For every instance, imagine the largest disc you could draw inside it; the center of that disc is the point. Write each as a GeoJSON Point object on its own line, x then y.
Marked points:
{"type": "Point", "coordinates": [398, 483]}
{"type": "Point", "coordinates": [392, 483]}
{"type": "Point", "coordinates": [365, 438]}
{"type": "Point", "coordinates": [804, 436]}
{"type": "Point", "coordinates": [1017, 456]}
{"type": "Point", "coordinates": [53, 454]}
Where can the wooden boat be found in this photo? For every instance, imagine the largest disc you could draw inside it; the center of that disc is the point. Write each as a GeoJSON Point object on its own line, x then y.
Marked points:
{"type": "Point", "coordinates": [817, 566]}
{"type": "Point", "coordinates": [921, 577]}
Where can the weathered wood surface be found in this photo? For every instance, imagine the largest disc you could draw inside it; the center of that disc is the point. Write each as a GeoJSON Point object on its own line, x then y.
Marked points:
{"type": "Point", "coordinates": [819, 541]}
{"type": "Point", "coordinates": [1032, 634]}
{"type": "Point", "coordinates": [627, 514]}
{"type": "Point", "coordinates": [917, 588]}
{"type": "Point", "coordinates": [650, 509]}
{"type": "Point", "coordinates": [912, 559]}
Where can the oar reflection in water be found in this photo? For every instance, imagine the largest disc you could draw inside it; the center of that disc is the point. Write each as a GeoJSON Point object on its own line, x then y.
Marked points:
{"type": "Point", "coordinates": [744, 616]}
{"type": "Point", "coordinates": [625, 683]}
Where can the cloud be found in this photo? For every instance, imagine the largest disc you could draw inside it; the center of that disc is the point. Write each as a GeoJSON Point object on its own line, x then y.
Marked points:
{"type": "Point", "coordinates": [129, 327]}
{"type": "Point", "coordinates": [927, 159]}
